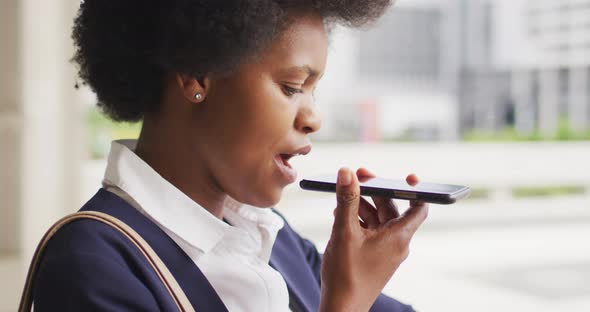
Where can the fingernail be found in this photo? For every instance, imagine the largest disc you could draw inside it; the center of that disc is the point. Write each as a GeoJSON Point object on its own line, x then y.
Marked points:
{"type": "Point", "coordinates": [344, 177]}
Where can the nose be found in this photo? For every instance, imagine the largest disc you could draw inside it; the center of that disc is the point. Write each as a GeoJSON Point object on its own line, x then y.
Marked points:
{"type": "Point", "coordinates": [308, 119]}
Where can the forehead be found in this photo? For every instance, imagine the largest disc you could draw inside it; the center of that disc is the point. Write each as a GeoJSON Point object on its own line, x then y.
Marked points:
{"type": "Point", "coordinates": [303, 42]}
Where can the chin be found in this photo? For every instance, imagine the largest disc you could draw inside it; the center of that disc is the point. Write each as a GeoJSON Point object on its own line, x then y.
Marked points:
{"type": "Point", "coordinates": [267, 199]}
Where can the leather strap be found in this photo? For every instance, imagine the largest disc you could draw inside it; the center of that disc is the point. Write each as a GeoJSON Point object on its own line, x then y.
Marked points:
{"type": "Point", "coordinates": [160, 268]}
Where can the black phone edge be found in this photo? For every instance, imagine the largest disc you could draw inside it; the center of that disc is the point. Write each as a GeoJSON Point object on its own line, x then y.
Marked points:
{"type": "Point", "coordinates": [442, 199]}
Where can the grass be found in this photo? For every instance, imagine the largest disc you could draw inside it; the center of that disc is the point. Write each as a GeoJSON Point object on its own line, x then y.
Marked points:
{"type": "Point", "coordinates": [564, 132]}
{"type": "Point", "coordinates": [508, 134]}
{"type": "Point", "coordinates": [547, 191]}
{"type": "Point", "coordinates": [520, 192]}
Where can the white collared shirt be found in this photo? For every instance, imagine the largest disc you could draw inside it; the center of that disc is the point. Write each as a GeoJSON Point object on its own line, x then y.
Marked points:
{"type": "Point", "coordinates": [234, 258]}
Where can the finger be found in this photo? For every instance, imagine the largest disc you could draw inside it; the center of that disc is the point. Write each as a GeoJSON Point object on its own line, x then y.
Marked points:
{"type": "Point", "coordinates": [364, 172]}
{"type": "Point", "coordinates": [364, 175]}
{"type": "Point", "coordinates": [386, 208]}
{"type": "Point", "coordinates": [415, 202]}
{"type": "Point", "coordinates": [347, 196]}
{"type": "Point", "coordinates": [413, 218]}
{"type": "Point", "coordinates": [368, 214]}
{"type": "Point", "coordinates": [412, 179]}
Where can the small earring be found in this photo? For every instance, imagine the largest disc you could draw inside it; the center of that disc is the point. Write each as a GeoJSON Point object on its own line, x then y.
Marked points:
{"type": "Point", "coordinates": [198, 96]}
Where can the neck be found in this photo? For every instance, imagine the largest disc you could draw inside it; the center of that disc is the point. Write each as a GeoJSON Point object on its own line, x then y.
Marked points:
{"type": "Point", "coordinates": [162, 149]}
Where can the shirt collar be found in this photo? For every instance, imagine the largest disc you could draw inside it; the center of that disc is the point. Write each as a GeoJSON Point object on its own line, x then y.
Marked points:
{"type": "Point", "coordinates": [264, 217]}
{"type": "Point", "coordinates": [160, 199]}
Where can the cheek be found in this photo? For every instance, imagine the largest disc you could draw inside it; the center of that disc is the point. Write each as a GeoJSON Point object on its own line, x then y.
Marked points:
{"type": "Point", "coordinates": [263, 116]}
{"type": "Point", "coordinates": [257, 106]}
{"type": "Point", "coordinates": [268, 125]}
{"type": "Point", "coordinates": [254, 124]}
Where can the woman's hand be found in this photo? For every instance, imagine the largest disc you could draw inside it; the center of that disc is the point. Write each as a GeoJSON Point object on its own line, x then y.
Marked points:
{"type": "Point", "coordinates": [361, 256]}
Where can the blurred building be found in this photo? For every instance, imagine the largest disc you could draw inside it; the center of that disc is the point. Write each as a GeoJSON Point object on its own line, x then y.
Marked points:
{"type": "Point", "coordinates": [483, 90]}
{"type": "Point", "coordinates": [438, 69]}
{"type": "Point", "coordinates": [534, 65]}
{"type": "Point", "coordinates": [395, 80]}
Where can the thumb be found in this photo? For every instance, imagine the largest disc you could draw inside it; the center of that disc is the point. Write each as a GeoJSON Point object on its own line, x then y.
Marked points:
{"type": "Point", "coordinates": [347, 196]}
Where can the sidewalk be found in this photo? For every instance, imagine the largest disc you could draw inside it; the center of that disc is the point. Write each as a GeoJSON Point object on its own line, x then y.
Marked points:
{"type": "Point", "coordinates": [11, 284]}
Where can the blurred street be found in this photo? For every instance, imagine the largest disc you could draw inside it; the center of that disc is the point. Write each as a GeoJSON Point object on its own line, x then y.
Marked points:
{"type": "Point", "coordinates": [495, 254]}
{"type": "Point", "coordinates": [528, 255]}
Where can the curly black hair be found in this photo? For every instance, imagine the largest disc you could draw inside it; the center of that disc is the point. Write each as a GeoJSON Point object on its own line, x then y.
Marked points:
{"type": "Point", "coordinates": [126, 48]}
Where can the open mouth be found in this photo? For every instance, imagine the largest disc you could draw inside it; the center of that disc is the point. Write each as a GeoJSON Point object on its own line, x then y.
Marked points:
{"type": "Point", "coordinates": [285, 159]}
{"type": "Point", "coordinates": [282, 161]}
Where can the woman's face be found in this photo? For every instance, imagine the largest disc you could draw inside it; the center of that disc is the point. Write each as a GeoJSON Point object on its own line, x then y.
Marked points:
{"type": "Point", "coordinates": [254, 120]}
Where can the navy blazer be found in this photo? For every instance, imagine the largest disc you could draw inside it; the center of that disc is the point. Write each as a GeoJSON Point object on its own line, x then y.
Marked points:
{"type": "Point", "coordinates": [89, 266]}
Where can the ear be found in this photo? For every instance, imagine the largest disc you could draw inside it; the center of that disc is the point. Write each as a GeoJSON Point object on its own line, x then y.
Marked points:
{"type": "Point", "coordinates": [193, 89]}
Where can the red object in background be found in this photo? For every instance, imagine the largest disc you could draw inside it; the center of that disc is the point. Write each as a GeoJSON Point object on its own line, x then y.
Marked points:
{"type": "Point", "coordinates": [368, 121]}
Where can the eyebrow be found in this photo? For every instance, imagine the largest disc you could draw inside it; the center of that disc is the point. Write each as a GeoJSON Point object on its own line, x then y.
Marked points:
{"type": "Point", "coordinates": [307, 69]}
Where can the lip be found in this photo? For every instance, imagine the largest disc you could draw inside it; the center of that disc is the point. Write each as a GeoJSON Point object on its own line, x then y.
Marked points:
{"type": "Point", "coordinates": [282, 162]}
{"type": "Point", "coordinates": [288, 173]}
{"type": "Point", "coordinates": [303, 150]}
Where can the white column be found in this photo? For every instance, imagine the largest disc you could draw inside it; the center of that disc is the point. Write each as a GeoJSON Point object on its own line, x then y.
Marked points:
{"type": "Point", "coordinates": [10, 122]}
{"type": "Point", "coordinates": [579, 99]}
{"type": "Point", "coordinates": [51, 119]}
{"type": "Point", "coordinates": [548, 102]}
{"type": "Point", "coordinates": [522, 95]}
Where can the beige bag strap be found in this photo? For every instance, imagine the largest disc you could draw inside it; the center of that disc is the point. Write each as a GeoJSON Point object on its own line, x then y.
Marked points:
{"type": "Point", "coordinates": [162, 271]}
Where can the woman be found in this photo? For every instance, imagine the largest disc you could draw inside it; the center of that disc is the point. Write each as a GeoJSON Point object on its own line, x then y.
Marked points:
{"type": "Point", "coordinates": [225, 92]}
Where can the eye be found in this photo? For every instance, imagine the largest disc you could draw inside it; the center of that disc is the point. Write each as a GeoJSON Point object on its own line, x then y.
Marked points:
{"type": "Point", "coordinates": [290, 91]}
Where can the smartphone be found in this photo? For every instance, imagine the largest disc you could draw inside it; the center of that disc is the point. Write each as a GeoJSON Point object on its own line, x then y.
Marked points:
{"type": "Point", "coordinates": [428, 192]}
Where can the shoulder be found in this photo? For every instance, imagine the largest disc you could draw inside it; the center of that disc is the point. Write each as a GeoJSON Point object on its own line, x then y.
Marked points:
{"type": "Point", "coordinates": [86, 244]}
{"type": "Point", "coordinates": [89, 265]}
{"type": "Point", "coordinates": [88, 237]}
{"type": "Point", "coordinates": [84, 238]}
